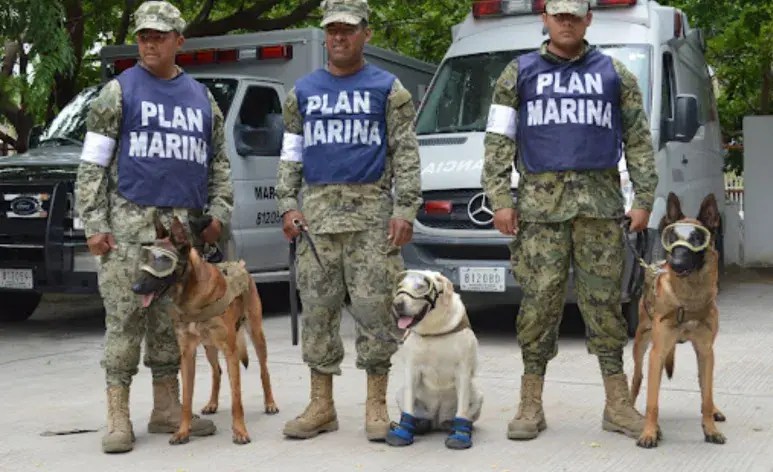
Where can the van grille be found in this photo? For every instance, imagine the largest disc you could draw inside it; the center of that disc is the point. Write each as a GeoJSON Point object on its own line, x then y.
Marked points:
{"type": "Point", "coordinates": [459, 217]}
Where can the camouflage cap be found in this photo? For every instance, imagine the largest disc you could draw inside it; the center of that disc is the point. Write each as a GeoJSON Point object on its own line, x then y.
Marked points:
{"type": "Point", "coordinates": [573, 7]}
{"type": "Point", "coordinates": [159, 16]}
{"type": "Point", "coordinates": [345, 11]}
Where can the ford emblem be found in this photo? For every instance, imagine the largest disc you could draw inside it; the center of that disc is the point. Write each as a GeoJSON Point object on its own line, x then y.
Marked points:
{"type": "Point", "coordinates": [24, 206]}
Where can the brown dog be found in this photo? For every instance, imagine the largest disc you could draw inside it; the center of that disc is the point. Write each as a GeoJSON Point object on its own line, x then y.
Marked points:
{"type": "Point", "coordinates": [212, 305]}
{"type": "Point", "coordinates": [678, 305]}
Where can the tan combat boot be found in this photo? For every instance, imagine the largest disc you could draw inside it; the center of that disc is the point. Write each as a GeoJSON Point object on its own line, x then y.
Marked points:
{"type": "Point", "coordinates": [167, 410]}
{"type": "Point", "coordinates": [530, 419]}
{"type": "Point", "coordinates": [619, 414]}
{"type": "Point", "coordinates": [376, 414]}
{"type": "Point", "coordinates": [319, 415]}
{"type": "Point", "coordinates": [120, 434]}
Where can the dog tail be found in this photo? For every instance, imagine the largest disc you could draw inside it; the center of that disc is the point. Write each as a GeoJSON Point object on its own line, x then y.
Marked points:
{"type": "Point", "coordinates": [669, 364]}
{"type": "Point", "coordinates": [241, 347]}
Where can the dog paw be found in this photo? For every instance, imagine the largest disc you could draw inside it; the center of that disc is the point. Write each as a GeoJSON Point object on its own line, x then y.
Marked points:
{"type": "Point", "coordinates": [648, 441]}
{"type": "Point", "coordinates": [713, 436]}
{"type": "Point", "coordinates": [271, 408]}
{"type": "Point", "coordinates": [719, 416]}
{"type": "Point", "coordinates": [401, 434]}
{"type": "Point", "coordinates": [461, 434]}
{"type": "Point", "coordinates": [209, 409]}
{"type": "Point", "coordinates": [179, 438]}
{"type": "Point", "coordinates": [241, 438]}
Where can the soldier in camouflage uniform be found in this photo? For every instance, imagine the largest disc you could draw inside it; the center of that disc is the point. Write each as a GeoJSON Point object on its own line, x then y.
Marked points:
{"type": "Point", "coordinates": [348, 137]}
{"type": "Point", "coordinates": [568, 109]}
{"type": "Point", "coordinates": [128, 173]}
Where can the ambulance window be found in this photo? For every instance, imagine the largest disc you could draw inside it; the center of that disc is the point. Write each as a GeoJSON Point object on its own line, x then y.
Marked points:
{"type": "Point", "coordinates": [667, 100]}
{"type": "Point", "coordinates": [258, 129]}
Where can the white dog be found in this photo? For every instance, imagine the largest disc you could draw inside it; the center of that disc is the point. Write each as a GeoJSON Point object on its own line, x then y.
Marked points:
{"type": "Point", "coordinates": [441, 358]}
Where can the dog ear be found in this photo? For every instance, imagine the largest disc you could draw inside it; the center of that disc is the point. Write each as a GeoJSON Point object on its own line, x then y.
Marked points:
{"type": "Point", "coordinates": [443, 285]}
{"type": "Point", "coordinates": [673, 211]}
{"type": "Point", "coordinates": [161, 232]}
{"type": "Point", "coordinates": [709, 213]}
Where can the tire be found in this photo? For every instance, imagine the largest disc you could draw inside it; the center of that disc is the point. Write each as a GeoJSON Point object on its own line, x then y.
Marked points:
{"type": "Point", "coordinates": [16, 307]}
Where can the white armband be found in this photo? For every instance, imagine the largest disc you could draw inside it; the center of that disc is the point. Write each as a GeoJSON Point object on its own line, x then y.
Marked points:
{"type": "Point", "coordinates": [98, 149]}
{"type": "Point", "coordinates": [292, 148]}
{"type": "Point", "coordinates": [501, 120]}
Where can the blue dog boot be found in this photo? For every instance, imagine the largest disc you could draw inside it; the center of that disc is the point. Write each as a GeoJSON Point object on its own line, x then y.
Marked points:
{"type": "Point", "coordinates": [461, 434]}
{"type": "Point", "coordinates": [401, 434]}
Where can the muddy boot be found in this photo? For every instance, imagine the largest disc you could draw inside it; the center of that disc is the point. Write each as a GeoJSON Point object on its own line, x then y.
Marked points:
{"type": "Point", "coordinates": [167, 410]}
{"type": "Point", "coordinates": [530, 419]}
{"type": "Point", "coordinates": [319, 415]}
{"type": "Point", "coordinates": [619, 414]}
{"type": "Point", "coordinates": [376, 414]}
{"type": "Point", "coordinates": [120, 434]}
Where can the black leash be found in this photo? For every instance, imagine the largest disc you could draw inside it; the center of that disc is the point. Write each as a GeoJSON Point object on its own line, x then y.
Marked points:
{"type": "Point", "coordinates": [293, 283]}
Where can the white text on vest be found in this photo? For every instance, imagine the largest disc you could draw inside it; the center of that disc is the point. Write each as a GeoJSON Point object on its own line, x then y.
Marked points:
{"type": "Point", "coordinates": [569, 109]}
{"type": "Point", "coordinates": [167, 144]}
{"type": "Point", "coordinates": [336, 130]}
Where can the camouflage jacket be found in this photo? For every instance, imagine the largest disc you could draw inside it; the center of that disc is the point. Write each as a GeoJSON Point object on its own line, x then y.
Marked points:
{"type": "Point", "coordinates": [341, 207]}
{"type": "Point", "coordinates": [104, 210]}
{"type": "Point", "coordinates": [559, 196]}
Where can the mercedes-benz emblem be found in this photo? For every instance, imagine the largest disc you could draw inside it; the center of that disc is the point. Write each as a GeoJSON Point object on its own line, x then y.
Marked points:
{"type": "Point", "coordinates": [479, 210]}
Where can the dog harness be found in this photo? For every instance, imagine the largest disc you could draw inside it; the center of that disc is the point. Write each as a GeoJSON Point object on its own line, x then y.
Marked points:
{"type": "Point", "coordinates": [237, 282]}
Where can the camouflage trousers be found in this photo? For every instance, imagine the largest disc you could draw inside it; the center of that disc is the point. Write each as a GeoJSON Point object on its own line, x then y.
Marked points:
{"type": "Point", "coordinates": [540, 258]}
{"type": "Point", "coordinates": [127, 323]}
{"type": "Point", "coordinates": [363, 264]}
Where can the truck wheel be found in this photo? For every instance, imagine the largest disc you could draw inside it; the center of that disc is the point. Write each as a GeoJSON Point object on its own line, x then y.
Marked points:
{"type": "Point", "coordinates": [18, 306]}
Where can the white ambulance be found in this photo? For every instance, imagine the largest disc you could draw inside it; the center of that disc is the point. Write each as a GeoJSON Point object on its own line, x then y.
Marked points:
{"type": "Point", "coordinates": [454, 233]}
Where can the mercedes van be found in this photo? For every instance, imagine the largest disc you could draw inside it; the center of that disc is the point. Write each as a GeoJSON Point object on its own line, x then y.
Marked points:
{"type": "Point", "coordinates": [454, 233]}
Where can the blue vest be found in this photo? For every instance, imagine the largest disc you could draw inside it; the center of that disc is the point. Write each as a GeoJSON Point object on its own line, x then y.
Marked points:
{"type": "Point", "coordinates": [166, 136]}
{"type": "Point", "coordinates": [344, 125]}
{"type": "Point", "coordinates": [569, 114]}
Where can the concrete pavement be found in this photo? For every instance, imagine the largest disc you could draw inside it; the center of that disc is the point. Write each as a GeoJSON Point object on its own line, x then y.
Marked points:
{"type": "Point", "coordinates": [50, 380]}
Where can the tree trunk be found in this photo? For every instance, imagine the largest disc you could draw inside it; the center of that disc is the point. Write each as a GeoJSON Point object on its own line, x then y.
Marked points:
{"type": "Point", "coordinates": [67, 86]}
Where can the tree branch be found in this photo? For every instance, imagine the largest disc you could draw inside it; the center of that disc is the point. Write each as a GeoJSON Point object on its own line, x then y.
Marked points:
{"type": "Point", "coordinates": [250, 19]}
{"type": "Point", "coordinates": [9, 58]}
{"type": "Point", "coordinates": [205, 11]}
{"type": "Point", "coordinates": [123, 26]}
{"type": "Point", "coordinates": [7, 139]}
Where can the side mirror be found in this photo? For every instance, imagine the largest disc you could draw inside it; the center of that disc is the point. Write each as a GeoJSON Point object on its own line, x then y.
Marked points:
{"type": "Point", "coordinates": [686, 119]}
{"type": "Point", "coordinates": [35, 133]}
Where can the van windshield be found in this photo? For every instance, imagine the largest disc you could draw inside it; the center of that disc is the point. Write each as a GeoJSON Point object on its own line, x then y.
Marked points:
{"type": "Point", "coordinates": [69, 126]}
{"type": "Point", "coordinates": [460, 97]}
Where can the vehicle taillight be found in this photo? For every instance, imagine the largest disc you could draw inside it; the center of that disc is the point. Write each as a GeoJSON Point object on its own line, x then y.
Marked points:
{"type": "Point", "coordinates": [122, 64]}
{"type": "Point", "coordinates": [613, 3]}
{"type": "Point", "coordinates": [486, 8]}
{"type": "Point", "coordinates": [206, 56]}
{"type": "Point", "coordinates": [438, 207]}
{"type": "Point", "coordinates": [281, 51]}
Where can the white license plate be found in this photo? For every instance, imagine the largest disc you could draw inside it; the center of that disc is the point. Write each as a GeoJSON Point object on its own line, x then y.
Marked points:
{"type": "Point", "coordinates": [482, 279]}
{"type": "Point", "coordinates": [16, 278]}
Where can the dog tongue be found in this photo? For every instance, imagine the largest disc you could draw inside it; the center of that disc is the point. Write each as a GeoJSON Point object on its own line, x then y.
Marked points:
{"type": "Point", "coordinates": [146, 300]}
{"type": "Point", "coordinates": [404, 322]}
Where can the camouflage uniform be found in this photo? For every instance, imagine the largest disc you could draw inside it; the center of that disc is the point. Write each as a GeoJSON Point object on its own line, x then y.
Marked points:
{"type": "Point", "coordinates": [105, 210]}
{"type": "Point", "coordinates": [563, 217]}
{"type": "Point", "coordinates": [349, 225]}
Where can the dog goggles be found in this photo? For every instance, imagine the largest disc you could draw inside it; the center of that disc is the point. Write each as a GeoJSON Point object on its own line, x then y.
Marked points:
{"type": "Point", "coordinates": [415, 284]}
{"type": "Point", "coordinates": [158, 261]}
{"type": "Point", "coordinates": [694, 237]}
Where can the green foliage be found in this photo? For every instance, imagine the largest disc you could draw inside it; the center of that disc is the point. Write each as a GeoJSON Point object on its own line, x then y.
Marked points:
{"type": "Point", "coordinates": [740, 49]}
{"type": "Point", "coordinates": [38, 24]}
